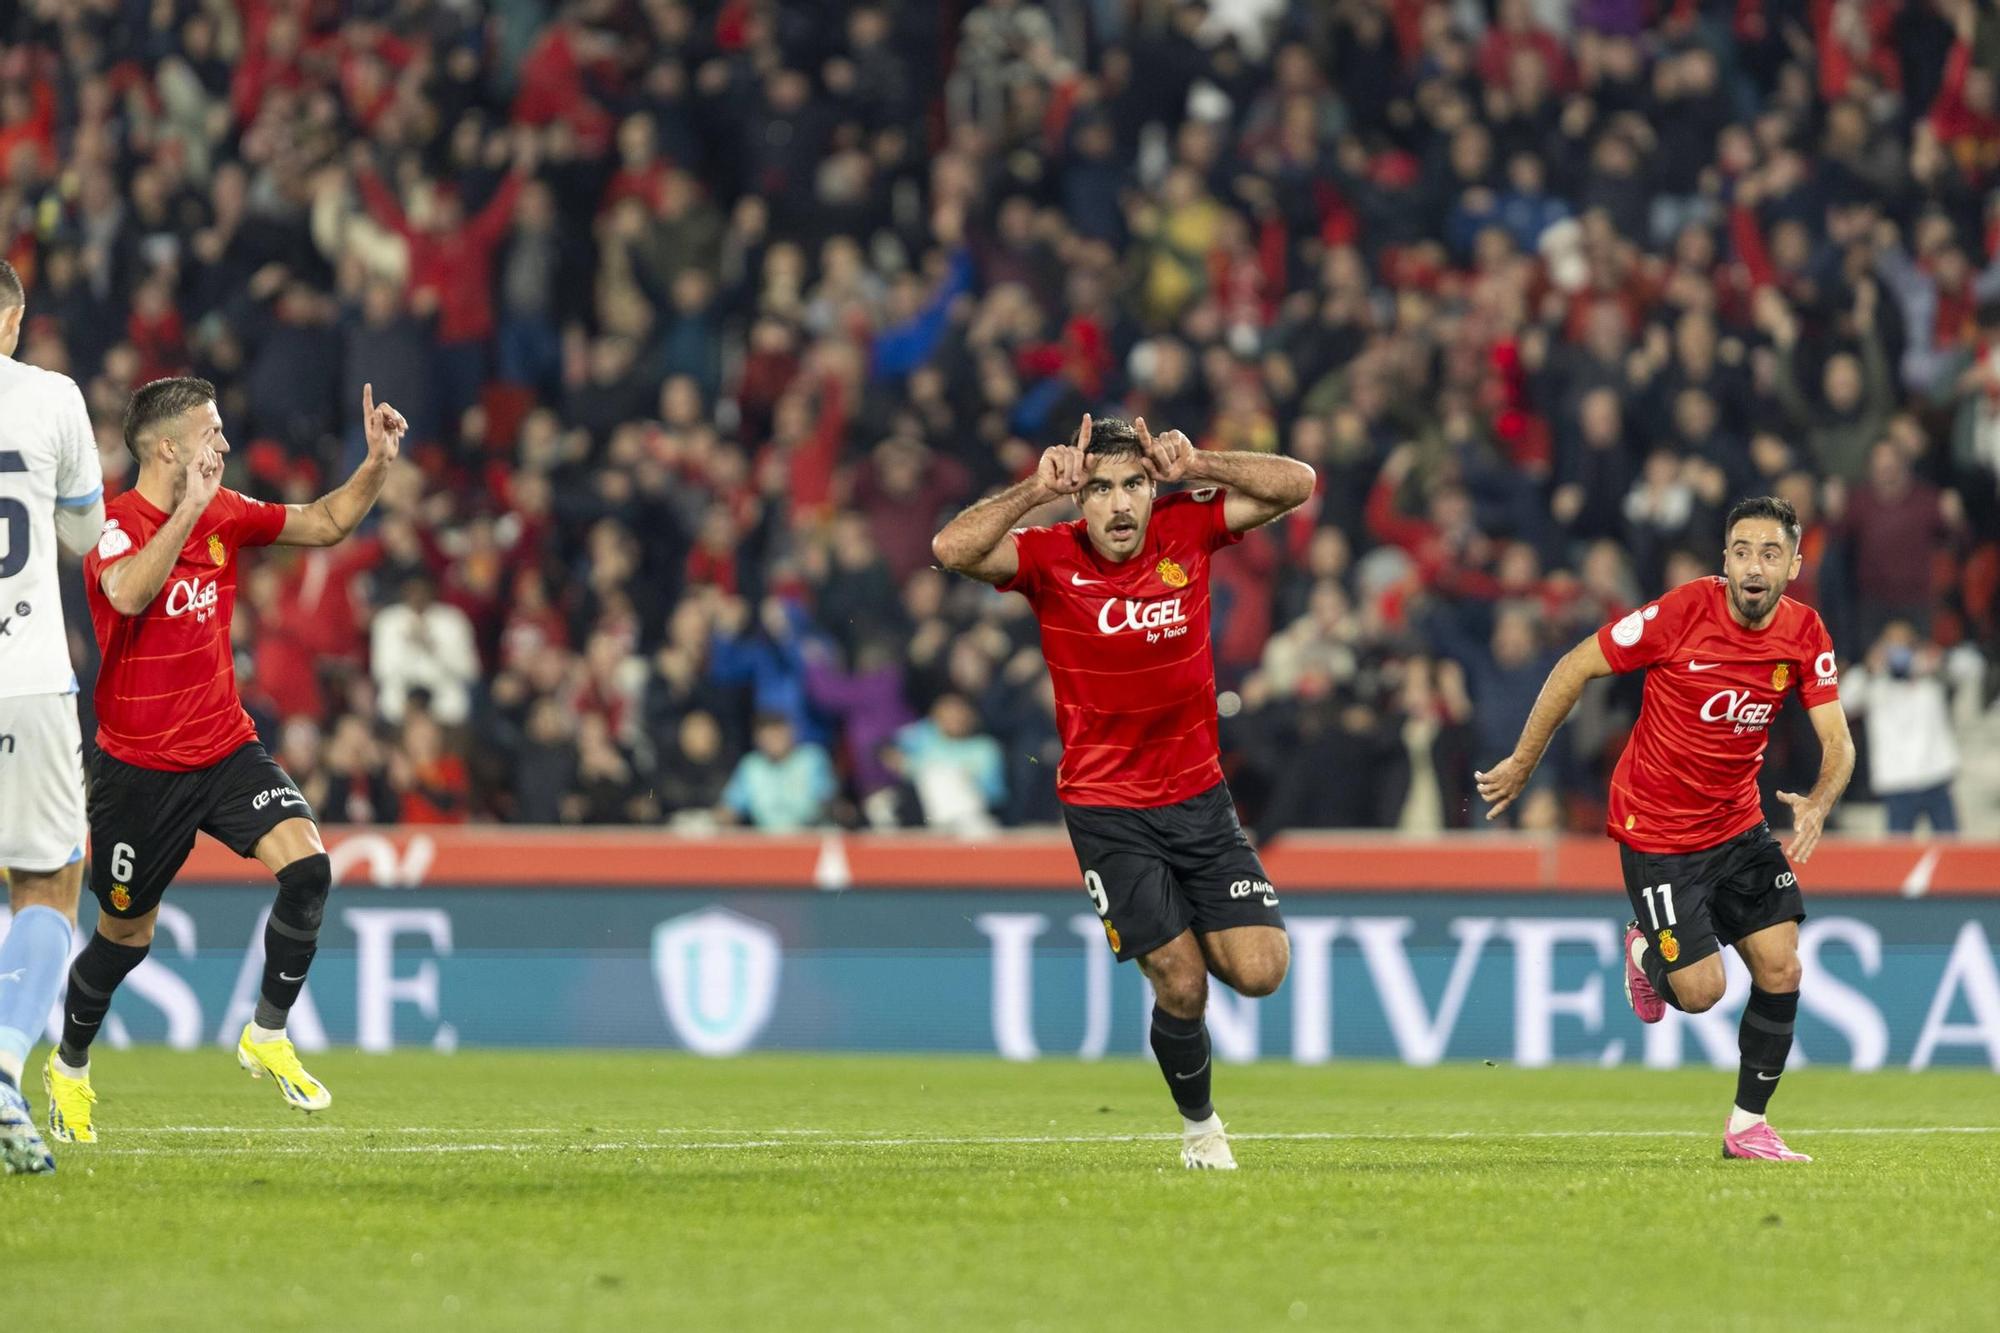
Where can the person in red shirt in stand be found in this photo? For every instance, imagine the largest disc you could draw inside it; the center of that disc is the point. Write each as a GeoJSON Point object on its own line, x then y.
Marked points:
{"type": "Point", "coordinates": [177, 753]}
{"type": "Point", "coordinates": [1701, 866]}
{"type": "Point", "coordinates": [1122, 595]}
{"type": "Point", "coordinates": [451, 266]}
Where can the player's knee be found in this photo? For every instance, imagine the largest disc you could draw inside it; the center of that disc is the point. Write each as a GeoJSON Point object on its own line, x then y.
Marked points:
{"type": "Point", "coordinates": [302, 890]}
{"type": "Point", "coordinates": [1780, 978]}
{"type": "Point", "coordinates": [1699, 994]}
{"type": "Point", "coordinates": [56, 890]}
{"type": "Point", "coordinates": [1264, 971]}
{"type": "Point", "coordinates": [1182, 992]}
{"type": "Point", "coordinates": [133, 934]}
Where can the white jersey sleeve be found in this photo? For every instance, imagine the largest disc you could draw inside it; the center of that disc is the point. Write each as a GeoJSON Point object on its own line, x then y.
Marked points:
{"type": "Point", "coordinates": [48, 460]}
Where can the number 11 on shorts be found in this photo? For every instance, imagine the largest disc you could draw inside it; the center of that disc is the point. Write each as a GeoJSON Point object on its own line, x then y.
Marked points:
{"type": "Point", "coordinates": [1663, 906]}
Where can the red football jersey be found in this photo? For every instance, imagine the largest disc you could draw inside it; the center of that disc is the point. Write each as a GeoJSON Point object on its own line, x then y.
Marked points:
{"type": "Point", "coordinates": [166, 692]}
{"type": "Point", "coordinates": [1128, 649]}
{"type": "Point", "coordinates": [1688, 778]}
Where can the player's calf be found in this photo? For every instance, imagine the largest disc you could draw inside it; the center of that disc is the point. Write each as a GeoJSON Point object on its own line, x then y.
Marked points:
{"type": "Point", "coordinates": [93, 979]}
{"type": "Point", "coordinates": [291, 939]}
{"type": "Point", "coordinates": [33, 956]}
{"type": "Point", "coordinates": [1178, 972]}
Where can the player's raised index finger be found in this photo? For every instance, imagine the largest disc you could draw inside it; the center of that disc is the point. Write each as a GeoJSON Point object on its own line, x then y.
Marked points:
{"type": "Point", "coordinates": [1145, 436]}
{"type": "Point", "coordinates": [367, 400]}
{"type": "Point", "coordinates": [1083, 433]}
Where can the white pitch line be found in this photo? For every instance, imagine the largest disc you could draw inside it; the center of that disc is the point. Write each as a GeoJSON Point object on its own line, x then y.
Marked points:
{"type": "Point", "coordinates": [989, 1141]}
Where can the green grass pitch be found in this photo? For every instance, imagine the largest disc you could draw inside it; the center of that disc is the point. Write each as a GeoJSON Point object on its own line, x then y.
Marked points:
{"type": "Point", "coordinates": [628, 1191]}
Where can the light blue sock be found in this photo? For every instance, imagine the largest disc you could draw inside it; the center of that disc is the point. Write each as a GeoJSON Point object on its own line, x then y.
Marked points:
{"type": "Point", "coordinates": [33, 958]}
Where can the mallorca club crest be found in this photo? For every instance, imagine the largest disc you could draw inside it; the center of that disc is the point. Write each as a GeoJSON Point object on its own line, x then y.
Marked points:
{"type": "Point", "coordinates": [121, 897]}
{"type": "Point", "coordinates": [217, 551]}
{"type": "Point", "coordinates": [1779, 675]}
{"type": "Point", "coordinates": [1111, 934]}
{"type": "Point", "coordinates": [1172, 574]}
{"type": "Point", "coordinates": [1670, 948]}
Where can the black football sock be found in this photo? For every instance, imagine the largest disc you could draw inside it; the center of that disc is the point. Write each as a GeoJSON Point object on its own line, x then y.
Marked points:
{"type": "Point", "coordinates": [291, 937]}
{"type": "Point", "coordinates": [1181, 1046]}
{"type": "Point", "coordinates": [93, 979]}
{"type": "Point", "coordinates": [1765, 1040]}
{"type": "Point", "coordinates": [1655, 968]}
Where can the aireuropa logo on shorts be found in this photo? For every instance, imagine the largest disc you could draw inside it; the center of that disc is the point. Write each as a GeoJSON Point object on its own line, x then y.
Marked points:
{"type": "Point", "coordinates": [284, 796]}
{"type": "Point", "coordinates": [1250, 888]}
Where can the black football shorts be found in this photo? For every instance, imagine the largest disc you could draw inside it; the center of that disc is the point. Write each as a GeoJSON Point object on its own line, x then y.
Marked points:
{"type": "Point", "coordinates": [1153, 873]}
{"type": "Point", "coordinates": [143, 820]}
{"type": "Point", "coordinates": [1692, 904]}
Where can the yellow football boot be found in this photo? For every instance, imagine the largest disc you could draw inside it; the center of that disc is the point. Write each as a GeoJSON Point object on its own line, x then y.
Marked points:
{"type": "Point", "coordinates": [281, 1062]}
{"type": "Point", "coordinates": [70, 1102]}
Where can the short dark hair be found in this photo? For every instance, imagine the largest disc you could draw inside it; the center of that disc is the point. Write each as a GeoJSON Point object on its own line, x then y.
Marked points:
{"type": "Point", "coordinates": [12, 293]}
{"type": "Point", "coordinates": [1109, 437]}
{"type": "Point", "coordinates": [1766, 506]}
{"type": "Point", "coordinates": [162, 400]}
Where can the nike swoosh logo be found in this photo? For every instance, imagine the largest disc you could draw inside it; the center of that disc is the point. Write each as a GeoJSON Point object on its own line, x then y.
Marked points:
{"type": "Point", "coordinates": [1703, 666]}
{"type": "Point", "coordinates": [82, 1024]}
{"type": "Point", "coordinates": [1767, 1078]}
{"type": "Point", "coordinates": [1080, 581]}
{"type": "Point", "coordinates": [1196, 1074]}
{"type": "Point", "coordinates": [300, 977]}
{"type": "Point", "coordinates": [293, 800]}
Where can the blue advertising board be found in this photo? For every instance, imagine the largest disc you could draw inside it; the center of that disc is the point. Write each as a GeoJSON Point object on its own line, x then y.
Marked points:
{"type": "Point", "coordinates": [1529, 979]}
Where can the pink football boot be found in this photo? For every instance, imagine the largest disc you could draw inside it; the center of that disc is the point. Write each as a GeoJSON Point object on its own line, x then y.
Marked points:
{"type": "Point", "coordinates": [1759, 1143]}
{"type": "Point", "coordinates": [1639, 992]}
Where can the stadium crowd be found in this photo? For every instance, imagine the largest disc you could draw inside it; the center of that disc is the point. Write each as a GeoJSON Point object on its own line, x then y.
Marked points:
{"type": "Point", "coordinates": [705, 315]}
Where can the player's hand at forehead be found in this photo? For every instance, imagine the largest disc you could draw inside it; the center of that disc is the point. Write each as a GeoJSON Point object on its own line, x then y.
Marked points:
{"type": "Point", "coordinates": [1165, 456]}
{"type": "Point", "coordinates": [1065, 467]}
{"type": "Point", "coordinates": [383, 424]}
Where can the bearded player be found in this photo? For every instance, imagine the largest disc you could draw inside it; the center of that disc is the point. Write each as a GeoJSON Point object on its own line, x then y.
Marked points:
{"type": "Point", "coordinates": [1701, 866]}
{"type": "Point", "coordinates": [1122, 597]}
{"type": "Point", "coordinates": [177, 753]}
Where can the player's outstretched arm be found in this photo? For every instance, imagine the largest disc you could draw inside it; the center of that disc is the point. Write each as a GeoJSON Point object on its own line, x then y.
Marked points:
{"type": "Point", "coordinates": [131, 584]}
{"type": "Point", "coordinates": [1836, 766]}
{"type": "Point", "coordinates": [339, 512]}
{"type": "Point", "coordinates": [1260, 487]}
{"type": "Point", "coordinates": [979, 543]}
{"type": "Point", "coordinates": [1500, 785]}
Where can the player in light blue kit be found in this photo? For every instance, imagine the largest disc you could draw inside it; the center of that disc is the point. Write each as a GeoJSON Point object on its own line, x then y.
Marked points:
{"type": "Point", "coordinates": [51, 490]}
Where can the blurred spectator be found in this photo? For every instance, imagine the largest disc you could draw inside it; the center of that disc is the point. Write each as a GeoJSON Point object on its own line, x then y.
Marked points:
{"type": "Point", "coordinates": [958, 773]}
{"type": "Point", "coordinates": [433, 784]}
{"type": "Point", "coordinates": [1893, 522]}
{"type": "Point", "coordinates": [423, 644]}
{"type": "Point", "coordinates": [1901, 693]}
{"type": "Point", "coordinates": [781, 786]}
{"type": "Point", "coordinates": [694, 769]}
{"type": "Point", "coordinates": [357, 786]}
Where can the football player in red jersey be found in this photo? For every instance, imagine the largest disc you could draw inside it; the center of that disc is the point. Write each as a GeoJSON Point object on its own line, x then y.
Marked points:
{"type": "Point", "coordinates": [177, 753]}
{"type": "Point", "coordinates": [1701, 866]}
{"type": "Point", "coordinates": [1122, 598]}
